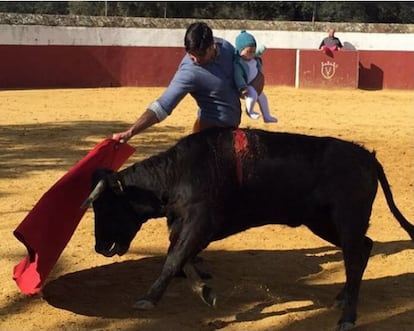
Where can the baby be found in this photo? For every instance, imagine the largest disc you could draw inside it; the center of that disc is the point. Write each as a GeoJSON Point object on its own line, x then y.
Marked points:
{"type": "Point", "coordinates": [249, 78]}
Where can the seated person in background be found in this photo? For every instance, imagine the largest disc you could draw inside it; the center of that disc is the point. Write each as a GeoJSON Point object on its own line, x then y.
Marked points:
{"type": "Point", "coordinates": [330, 43]}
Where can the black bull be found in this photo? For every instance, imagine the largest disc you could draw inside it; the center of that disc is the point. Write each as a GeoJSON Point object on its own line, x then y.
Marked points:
{"type": "Point", "coordinates": [219, 182]}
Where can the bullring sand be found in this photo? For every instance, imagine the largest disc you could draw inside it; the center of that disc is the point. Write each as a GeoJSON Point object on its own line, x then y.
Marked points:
{"type": "Point", "coordinates": [268, 278]}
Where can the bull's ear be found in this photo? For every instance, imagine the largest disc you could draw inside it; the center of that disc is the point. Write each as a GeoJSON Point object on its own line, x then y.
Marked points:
{"type": "Point", "coordinates": [116, 183]}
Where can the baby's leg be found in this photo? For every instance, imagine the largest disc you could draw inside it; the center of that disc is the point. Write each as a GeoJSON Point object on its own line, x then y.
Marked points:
{"type": "Point", "coordinates": [250, 101]}
{"type": "Point", "coordinates": [264, 108]}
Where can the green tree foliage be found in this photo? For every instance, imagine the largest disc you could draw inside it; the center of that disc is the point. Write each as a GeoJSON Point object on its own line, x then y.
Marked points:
{"type": "Point", "coordinates": [138, 9]}
{"type": "Point", "coordinates": [322, 11]}
{"type": "Point", "coordinates": [35, 7]}
{"type": "Point", "coordinates": [93, 8]}
{"type": "Point", "coordinates": [366, 12]}
{"type": "Point", "coordinates": [338, 11]}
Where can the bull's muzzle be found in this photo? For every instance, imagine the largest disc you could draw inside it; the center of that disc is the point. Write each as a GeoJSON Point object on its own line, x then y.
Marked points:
{"type": "Point", "coordinates": [111, 251]}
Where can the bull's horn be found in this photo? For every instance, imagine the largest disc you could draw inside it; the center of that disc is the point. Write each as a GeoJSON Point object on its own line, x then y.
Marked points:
{"type": "Point", "coordinates": [94, 194]}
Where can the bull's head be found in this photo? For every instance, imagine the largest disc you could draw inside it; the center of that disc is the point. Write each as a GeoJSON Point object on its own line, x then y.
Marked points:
{"type": "Point", "coordinates": [117, 220]}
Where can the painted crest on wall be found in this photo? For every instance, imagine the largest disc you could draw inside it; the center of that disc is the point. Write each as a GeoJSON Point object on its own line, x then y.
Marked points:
{"type": "Point", "coordinates": [328, 69]}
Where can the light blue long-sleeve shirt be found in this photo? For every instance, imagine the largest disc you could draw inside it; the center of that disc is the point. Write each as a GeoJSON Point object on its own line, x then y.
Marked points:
{"type": "Point", "coordinates": [211, 85]}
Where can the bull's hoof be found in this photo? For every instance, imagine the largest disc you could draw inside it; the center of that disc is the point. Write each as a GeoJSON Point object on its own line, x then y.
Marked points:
{"type": "Point", "coordinates": [208, 296]}
{"type": "Point", "coordinates": [345, 326]}
{"type": "Point", "coordinates": [143, 304]}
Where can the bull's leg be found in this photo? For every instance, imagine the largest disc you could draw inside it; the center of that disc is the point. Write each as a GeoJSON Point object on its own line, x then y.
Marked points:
{"type": "Point", "coordinates": [175, 225]}
{"type": "Point", "coordinates": [153, 295]}
{"type": "Point", "coordinates": [356, 250]}
{"type": "Point", "coordinates": [203, 274]}
{"type": "Point", "coordinates": [356, 255]}
{"type": "Point", "coordinates": [173, 263]}
{"type": "Point", "coordinates": [368, 243]}
{"type": "Point", "coordinates": [198, 286]}
{"type": "Point", "coordinates": [189, 242]}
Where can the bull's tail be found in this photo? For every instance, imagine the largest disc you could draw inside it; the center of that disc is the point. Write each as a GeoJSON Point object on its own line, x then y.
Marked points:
{"type": "Point", "coordinates": [405, 224]}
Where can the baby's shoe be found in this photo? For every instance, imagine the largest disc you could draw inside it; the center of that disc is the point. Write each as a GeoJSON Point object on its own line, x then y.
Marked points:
{"type": "Point", "coordinates": [253, 115]}
{"type": "Point", "coordinates": [270, 119]}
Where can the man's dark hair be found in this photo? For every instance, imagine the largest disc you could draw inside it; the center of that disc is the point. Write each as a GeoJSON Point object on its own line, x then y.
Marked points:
{"type": "Point", "coordinates": [198, 38]}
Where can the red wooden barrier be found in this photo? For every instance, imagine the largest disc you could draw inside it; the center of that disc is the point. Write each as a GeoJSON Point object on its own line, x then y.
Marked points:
{"type": "Point", "coordinates": [58, 66]}
{"type": "Point", "coordinates": [386, 69]}
{"type": "Point", "coordinates": [23, 66]}
{"type": "Point", "coordinates": [279, 66]}
{"type": "Point", "coordinates": [318, 69]}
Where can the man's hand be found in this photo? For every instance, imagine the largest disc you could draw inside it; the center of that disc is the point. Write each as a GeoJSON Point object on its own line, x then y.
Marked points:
{"type": "Point", "coordinates": [122, 137]}
{"type": "Point", "coordinates": [147, 119]}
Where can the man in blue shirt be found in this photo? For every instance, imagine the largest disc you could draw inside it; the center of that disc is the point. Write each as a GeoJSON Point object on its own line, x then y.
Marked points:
{"type": "Point", "coordinates": [206, 72]}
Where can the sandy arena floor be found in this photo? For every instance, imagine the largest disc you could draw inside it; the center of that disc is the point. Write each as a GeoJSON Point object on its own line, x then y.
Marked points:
{"type": "Point", "coordinates": [269, 278]}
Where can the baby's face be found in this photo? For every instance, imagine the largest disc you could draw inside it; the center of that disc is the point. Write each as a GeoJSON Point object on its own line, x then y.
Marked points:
{"type": "Point", "coordinates": [248, 53]}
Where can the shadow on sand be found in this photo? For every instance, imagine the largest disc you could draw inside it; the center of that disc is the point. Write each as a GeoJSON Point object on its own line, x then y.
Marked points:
{"type": "Point", "coordinates": [251, 286]}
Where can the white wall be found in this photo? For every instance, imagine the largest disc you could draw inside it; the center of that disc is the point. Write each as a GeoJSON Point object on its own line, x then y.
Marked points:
{"type": "Point", "coordinates": [55, 35]}
{"type": "Point", "coordinates": [311, 40]}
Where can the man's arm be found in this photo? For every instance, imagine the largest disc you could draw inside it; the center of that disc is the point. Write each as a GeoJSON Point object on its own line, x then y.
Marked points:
{"type": "Point", "coordinates": [157, 111]}
{"type": "Point", "coordinates": [322, 43]}
{"type": "Point", "coordinates": [147, 119]}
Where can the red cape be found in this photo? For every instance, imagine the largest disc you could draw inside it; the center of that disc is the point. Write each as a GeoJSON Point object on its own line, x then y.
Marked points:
{"type": "Point", "coordinates": [48, 227]}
